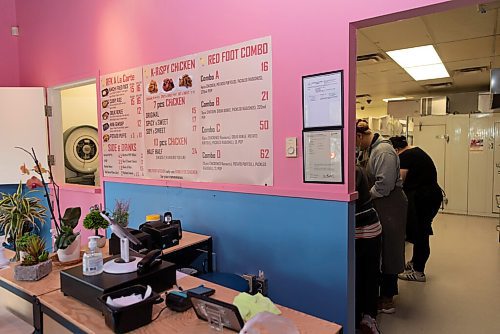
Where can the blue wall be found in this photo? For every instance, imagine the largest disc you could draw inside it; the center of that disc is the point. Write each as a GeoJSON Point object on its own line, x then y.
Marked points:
{"type": "Point", "coordinates": [304, 246]}
{"type": "Point", "coordinates": [44, 228]}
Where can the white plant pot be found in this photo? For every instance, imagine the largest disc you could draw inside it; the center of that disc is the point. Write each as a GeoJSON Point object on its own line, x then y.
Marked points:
{"type": "Point", "coordinates": [71, 253]}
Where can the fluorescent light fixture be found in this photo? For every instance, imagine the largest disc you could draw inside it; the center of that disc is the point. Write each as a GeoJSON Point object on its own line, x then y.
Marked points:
{"type": "Point", "coordinates": [422, 62]}
{"type": "Point", "coordinates": [394, 99]}
{"type": "Point", "coordinates": [428, 72]}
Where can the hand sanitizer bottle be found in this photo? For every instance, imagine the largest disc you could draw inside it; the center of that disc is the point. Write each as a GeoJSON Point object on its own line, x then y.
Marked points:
{"type": "Point", "coordinates": [92, 259]}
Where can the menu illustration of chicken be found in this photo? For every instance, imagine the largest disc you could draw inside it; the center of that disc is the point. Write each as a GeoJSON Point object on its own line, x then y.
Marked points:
{"type": "Point", "coordinates": [205, 117]}
{"type": "Point", "coordinates": [121, 120]}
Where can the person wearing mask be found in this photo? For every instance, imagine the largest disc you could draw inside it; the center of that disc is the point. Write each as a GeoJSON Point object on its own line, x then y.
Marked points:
{"type": "Point", "coordinates": [424, 200]}
{"type": "Point", "coordinates": [367, 241]}
{"type": "Point", "coordinates": [390, 202]}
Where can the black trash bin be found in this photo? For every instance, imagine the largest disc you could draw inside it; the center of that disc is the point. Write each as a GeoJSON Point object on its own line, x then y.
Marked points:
{"type": "Point", "coordinates": [128, 318]}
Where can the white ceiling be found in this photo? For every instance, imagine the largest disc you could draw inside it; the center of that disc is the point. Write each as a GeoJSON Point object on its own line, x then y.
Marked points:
{"type": "Point", "coordinates": [465, 37]}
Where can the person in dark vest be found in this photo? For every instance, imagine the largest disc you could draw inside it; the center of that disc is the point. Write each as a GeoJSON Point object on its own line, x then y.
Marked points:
{"type": "Point", "coordinates": [368, 241]}
{"type": "Point", "coordinates": [424, 200]}
{"type": "Point", "coordinates": [386, 191]}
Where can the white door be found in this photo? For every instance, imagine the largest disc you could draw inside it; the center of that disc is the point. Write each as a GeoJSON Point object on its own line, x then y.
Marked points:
{"type": "Point", "coordinates": [22, 124]}
{"type": "Point", "coordinates": [432, 139]}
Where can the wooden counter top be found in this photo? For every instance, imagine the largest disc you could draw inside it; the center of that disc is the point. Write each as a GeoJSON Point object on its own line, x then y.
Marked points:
{"type": "Point", "coordinates": [92, 321]}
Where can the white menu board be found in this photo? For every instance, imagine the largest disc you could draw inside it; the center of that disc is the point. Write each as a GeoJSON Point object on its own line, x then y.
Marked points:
{"type": "Point", "coordinates": [122, 123]}
{"type": "Point", "coordinates": [322, 100]}
{"type": "Point", "coordinates": [323, 156]}
{"type": "Point", "coordinates": [171, 132]}
{"type": "Point", "coordinates": [206, 117]}
{"type": "Point", "coordinates": [236, 113]}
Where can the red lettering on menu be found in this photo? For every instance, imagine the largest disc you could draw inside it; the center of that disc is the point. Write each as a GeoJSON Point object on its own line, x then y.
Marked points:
{"type": "Point", "coordinates": [183, 65]}
{"type": "Point", "coordinates": [214, 59]}
{"type": "Point", "coordinates": [128, 147]}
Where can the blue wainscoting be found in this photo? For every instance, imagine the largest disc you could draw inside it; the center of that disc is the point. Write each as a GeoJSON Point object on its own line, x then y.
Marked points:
{"type": "Point", "coordinates": [304, 246]}
{"type": "Point", "coordinates": [44, 228]}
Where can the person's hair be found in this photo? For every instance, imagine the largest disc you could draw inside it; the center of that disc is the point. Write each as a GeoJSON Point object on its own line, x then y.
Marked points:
{"type": "Point", "coordinates": [362, 126]}
{"type": "Point", "coordinates": [398, 142]}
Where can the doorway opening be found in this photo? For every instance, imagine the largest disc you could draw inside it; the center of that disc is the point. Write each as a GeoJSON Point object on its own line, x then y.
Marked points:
{"type": "Point", "coordinates": [74, 133]}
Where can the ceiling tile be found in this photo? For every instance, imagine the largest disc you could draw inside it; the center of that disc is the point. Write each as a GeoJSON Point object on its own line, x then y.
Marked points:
{"type": "Point", "coordinates": [497, 44]}
{"type": "Point", "coordinates": [399, 35]}
{"type": "Point", "coordinates": [461, 23]}
{"type": "Point", "coordinates": [466, 49]}
{"type": "Point", "coordinates": [364, 45]}
{"type": "Point", "coordinates": [383, 66]}
{"type": "Point", "coordinates": [478, 62]}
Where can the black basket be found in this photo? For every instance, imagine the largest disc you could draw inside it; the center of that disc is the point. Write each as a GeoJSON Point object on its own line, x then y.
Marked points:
{"type": "Point", "coordinates": [128, 318]}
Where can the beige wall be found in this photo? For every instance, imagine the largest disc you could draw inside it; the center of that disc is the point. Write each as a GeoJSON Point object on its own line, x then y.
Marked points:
{"type": "Point", "coordinates": [79, 106]}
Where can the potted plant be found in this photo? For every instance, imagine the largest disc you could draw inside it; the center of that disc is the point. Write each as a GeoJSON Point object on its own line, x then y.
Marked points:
{"type": "Point", "coordinates": [67, 241]}
{"type": "Point", "coordinates": [19, 213]}
{"type": "Point", "coordinates": [21, 245]}
{"type": "Point", "coordinates": [94, 221]}
{"type": "Point", "coordinates": [36, 264]}
{"type": "Point", "coordinates": [120, 212]}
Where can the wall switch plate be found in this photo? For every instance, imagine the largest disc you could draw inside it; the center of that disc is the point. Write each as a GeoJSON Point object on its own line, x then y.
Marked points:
{"type": "Point", "coordinates": [291, 147]}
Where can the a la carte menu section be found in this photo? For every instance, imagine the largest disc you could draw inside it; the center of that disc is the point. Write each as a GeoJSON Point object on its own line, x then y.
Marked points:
{"type": "Point", "coordinates": [206, 117]}
{"type": "Point", "coordinates": [121, 120]}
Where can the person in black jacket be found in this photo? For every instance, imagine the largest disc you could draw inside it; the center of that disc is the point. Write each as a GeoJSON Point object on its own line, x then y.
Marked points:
{"type": "Point", "coordinates": [368, 243]}
{"type": "Point", "coordinates": [424, 200]}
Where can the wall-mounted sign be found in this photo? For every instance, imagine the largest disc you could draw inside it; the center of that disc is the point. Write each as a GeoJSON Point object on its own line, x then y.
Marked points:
{"type": "Point", "coordinates": [205, 117]}
{"type": "Point", "coordinates": [323, 156]}
{"type": "Point", "coordinates": [322, 99]}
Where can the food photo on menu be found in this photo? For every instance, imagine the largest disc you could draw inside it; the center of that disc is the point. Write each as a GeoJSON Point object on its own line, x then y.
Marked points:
{"type": "Point", "coordinates": [105, 115]}
{"type": "Point", "coordinates": [105, 103]}
{"type": "Point", "coordinates": [104, 92]}
{"type": "Point", "coordinates": [105, 138]}
{"type": "Point", "coordinates": [105, 126]}
{"type": "Point", "coordinates": [168, 85]}
{"type": "Point", "coordinates": [153, 87]}
{"type": "Point", "coordinates": [186, 81]}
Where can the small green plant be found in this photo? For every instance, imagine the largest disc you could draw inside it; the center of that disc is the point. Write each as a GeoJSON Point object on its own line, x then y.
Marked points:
{"type": "Point", "coordinates": [35, 249]}
{"type": "Point", "coordinates": [67, 235]}
{"type": "Point", "coordinates": [94, 221]}
{"type": "Point", "coordinates": [22, 242]}
{"type": "Point", "coordinates": [19, 213]}
{"type": "Point", "coordinates": [120, 212]}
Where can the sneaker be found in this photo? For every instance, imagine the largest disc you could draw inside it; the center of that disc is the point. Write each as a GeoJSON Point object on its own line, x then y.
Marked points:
{"type": "Point", "coordinates": [386, 305]}
{"type": "Point", "coordinates": [415, 276]}
{"type": "Point", "coordinates": [409, 266]}
{"type": "Point", "coordinates": [368, 325]}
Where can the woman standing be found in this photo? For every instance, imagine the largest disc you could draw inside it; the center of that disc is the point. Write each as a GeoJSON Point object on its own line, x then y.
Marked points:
{"type": "Point", "coordinates": [391, 204]}
{"type": "Point", "coordinates": [424, 200]}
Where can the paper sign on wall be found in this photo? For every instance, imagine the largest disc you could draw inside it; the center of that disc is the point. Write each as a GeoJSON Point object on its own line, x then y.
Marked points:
{"type": "Point", "coordinates": [205, 117]}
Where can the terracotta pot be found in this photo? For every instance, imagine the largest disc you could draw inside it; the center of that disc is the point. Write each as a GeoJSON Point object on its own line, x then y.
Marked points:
{"type": "Point", "coordinates": [71, 253]}
{"type": "Point", "coordinates": [32, 273]}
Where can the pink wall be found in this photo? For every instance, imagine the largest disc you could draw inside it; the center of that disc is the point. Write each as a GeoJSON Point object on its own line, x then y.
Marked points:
{"type": "Point", "coordinates": [9, 56]}
{"type": "Point", "coordinates": [65, 41]}
{"type": "Point", "coordinates": [84, 197]}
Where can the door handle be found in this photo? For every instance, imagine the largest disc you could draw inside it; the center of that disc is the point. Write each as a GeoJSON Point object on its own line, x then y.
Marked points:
{"type": "Point", "coordinates": [445, 137]}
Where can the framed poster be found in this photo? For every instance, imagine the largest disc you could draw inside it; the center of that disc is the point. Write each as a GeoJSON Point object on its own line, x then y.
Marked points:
{"type": "Point", "coordinates": [322, 100]}
{"type": "Point", "coordinates": [323, 156]}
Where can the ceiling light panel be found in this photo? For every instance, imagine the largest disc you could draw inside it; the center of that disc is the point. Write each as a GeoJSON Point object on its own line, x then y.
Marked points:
{"type": "Point", "coordinates": [421, 55]}
{"type": "Point", "coordinates": [427, 72]}
{"type": "Point", "coordinates": [422, 62]}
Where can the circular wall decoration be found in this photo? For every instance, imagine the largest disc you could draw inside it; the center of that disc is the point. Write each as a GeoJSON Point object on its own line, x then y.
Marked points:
{"type": "Point", "coordinates": [81, 148]}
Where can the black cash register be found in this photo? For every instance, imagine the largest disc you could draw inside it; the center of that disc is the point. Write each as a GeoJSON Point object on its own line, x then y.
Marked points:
{"type": "Point", "coordinates": [164, 234]}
